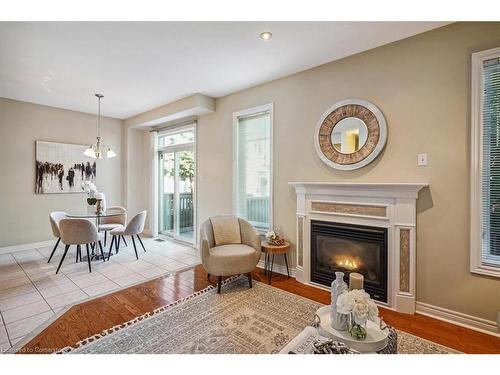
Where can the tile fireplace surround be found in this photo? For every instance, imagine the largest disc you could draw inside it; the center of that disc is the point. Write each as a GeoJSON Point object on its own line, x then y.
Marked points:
{"type": "Point", "coordinates": [385, 205]}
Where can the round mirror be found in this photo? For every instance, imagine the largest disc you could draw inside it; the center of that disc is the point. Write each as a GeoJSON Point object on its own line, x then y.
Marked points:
{"type": "Point", "coordinates": [349, 135]}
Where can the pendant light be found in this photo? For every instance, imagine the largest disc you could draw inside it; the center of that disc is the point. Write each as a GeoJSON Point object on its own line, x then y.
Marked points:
{"type": "Point", "coordinates": [96, 150]}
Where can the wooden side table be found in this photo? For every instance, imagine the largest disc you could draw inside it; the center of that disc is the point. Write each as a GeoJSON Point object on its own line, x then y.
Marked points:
{"type": "Point", "coordinates": [271, 251]}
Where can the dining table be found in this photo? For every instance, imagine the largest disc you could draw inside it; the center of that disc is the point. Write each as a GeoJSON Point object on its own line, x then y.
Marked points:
{"type": "Point", "coordinates": [97, 216]}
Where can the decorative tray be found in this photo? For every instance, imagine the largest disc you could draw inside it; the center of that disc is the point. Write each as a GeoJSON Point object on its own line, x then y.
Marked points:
{"type": "Point", "coordinates": [376, 339]}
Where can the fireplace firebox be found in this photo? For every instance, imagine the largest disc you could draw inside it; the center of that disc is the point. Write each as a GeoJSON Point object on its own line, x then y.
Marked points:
{"type": "Point", "coordinates": [350, 248]}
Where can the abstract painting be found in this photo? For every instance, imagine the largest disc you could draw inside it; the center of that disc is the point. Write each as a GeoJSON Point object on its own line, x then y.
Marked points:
{"type": "Point", "coordinates": [62, 167]}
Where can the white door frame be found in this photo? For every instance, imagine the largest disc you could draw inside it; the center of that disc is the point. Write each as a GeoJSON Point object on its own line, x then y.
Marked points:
{"type": "Point", "coordinates": [173, 149]}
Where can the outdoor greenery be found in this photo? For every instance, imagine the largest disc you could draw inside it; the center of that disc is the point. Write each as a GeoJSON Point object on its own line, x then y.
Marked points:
{"type": "Point", "coordinates": [186, 167]}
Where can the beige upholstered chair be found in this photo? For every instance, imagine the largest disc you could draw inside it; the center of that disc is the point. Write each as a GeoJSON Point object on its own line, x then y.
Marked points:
{"type": "Point", "coordinates": [224, 252]}
{"type": "Point", "coordinates": [78, 232]}
{"type": "Point", "coordinates": [113, 222]}
{"type": "Point", "coordinates": [55, 217]}
{"type": "Point", "coordinates": [133, 228]}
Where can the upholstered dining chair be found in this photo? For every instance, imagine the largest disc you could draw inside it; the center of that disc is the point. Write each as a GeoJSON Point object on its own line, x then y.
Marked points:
{"type": "Point", "coordinates": [229, 246]}
{"type": "Point", "coordinates": [133, 228]}
{"type": "Point", "coordinates": [55, 217]}
{"type": "Point", "coordinates": [113, 222]}
{"type": "Point", "coordinates": [78, 232]}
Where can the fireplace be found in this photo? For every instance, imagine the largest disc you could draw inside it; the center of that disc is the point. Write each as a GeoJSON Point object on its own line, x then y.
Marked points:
{"type": "Point", "coordinates": [383, 213]}
{"type": "Point", "coordinates": [350, 248]}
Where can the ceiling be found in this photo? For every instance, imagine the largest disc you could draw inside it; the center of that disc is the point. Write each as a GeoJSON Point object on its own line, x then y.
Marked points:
{"type": "Point", "coordinates": [142, 65]}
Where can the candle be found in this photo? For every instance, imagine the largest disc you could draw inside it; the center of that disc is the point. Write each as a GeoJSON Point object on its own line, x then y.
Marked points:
{"type": "Point", "coordinates": [355, 281]}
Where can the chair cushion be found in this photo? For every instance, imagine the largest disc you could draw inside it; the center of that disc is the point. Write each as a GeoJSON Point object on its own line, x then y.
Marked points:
{"type": "Point", "coordinates": [232, 259]}
{"type": "Point", "coordinates": [107, 227]}
{"type": "Point", "coordinates": [226, 230]}
{"type": "Point", "coordinates": [120, 230]}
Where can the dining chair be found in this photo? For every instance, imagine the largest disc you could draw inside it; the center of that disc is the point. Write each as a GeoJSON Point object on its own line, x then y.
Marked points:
{"type": "Point", "coordinates": [109, 223]}
{"type": "Point", "coordinates": [55, 217]}
{"type": "Point", "coordinates": [78, 232]}
{"type": "Point", "coordinates": [133, 228]}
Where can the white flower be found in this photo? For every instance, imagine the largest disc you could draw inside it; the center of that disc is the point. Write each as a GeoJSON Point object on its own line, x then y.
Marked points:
{"type": "Point", "coordinates": [345, 303]}
{"type": "Point", "coordinates": [271, 235]}
{"type": "Point", "coordinates": [360, 312]}
{"type": "Point", "coordinates": [89, 187]}
{"type": "Point", "coordinates": [359, 303]}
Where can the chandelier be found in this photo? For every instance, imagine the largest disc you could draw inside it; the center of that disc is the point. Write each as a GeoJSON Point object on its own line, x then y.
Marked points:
{"type": "Point", "coordinates": [98, 149]}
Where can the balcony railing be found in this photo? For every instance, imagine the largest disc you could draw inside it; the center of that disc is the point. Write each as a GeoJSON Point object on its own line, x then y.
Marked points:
{"type": "Point", "coordinates": [257, 212]}
{"type": "Point", "coordinates": [185, 212]}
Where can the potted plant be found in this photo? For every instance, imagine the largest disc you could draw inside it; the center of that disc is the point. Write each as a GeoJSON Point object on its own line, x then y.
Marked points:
{"type": "Point", "coordinates": [90, 189]}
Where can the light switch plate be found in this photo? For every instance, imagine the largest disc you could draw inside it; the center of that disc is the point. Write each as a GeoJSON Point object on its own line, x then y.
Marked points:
{"type": "Point", "coordinates": [422, 160]}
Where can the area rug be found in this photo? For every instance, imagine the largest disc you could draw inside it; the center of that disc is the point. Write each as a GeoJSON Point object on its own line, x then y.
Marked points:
{"type": "Point", "coordinates": [261, 320]}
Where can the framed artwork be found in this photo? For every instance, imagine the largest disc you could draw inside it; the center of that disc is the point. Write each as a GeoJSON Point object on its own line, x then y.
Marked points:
{"type": "Point", "coordinates": [61, 168]}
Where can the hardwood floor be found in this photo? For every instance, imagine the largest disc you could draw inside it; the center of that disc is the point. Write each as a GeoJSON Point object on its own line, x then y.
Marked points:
{"type": "Point", "coordinates": [92, 317]}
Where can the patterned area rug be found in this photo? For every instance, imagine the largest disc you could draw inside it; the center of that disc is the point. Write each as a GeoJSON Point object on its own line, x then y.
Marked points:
{"type": "Point", "coordinates": [237, 321]}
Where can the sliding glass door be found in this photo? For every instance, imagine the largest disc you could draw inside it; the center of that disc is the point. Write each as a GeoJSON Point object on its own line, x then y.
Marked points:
{"type": "Point", "coordinates": [176, 185]}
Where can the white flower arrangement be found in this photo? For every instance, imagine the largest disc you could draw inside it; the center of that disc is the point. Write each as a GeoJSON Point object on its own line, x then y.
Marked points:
{"type": "Point", "coordinates": [91, 190]}
{"type": "Point", "coordinates": [358, 303]}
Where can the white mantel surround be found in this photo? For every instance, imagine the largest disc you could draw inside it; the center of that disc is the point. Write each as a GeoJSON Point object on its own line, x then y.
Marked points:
{"type": "Point", "coordinates": [386, 205]}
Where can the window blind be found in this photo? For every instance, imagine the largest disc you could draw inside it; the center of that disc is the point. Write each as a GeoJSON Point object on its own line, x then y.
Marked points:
{"type": "Point", "coordinates": [491, 163]}
{"type": "Point", "coordinates": [253, 174]}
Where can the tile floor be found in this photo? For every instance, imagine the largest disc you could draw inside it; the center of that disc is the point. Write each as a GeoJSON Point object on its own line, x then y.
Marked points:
{"type": "Point", "coordinates": [31, 292]}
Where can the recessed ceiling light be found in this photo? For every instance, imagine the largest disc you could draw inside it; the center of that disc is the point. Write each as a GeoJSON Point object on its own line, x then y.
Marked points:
{"type": "Point", "coordinates": [266, 35]}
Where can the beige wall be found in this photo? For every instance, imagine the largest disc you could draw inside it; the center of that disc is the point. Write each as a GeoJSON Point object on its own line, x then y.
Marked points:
{"type": "Point", "coordinates": [24, 214]}
{"type": "Point", "coordinates": [138, 194]}
{"type": "Point", "coordinates": [422, 85]}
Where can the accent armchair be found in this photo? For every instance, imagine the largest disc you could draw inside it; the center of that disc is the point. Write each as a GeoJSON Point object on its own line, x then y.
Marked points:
{"type": "Point", "coordinates": [229, 246]}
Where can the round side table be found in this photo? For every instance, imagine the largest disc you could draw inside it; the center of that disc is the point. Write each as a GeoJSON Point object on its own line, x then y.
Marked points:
{"type": "Point", "coordinates": [271, 251]}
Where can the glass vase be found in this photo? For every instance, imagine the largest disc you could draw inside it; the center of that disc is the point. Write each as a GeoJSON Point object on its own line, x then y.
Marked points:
{"type": "Point", "coordinates": [338, 320]}
{"type": "Point", "coordinates": [357, 331]}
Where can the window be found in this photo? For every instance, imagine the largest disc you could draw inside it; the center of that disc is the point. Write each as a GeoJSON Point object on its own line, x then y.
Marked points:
{"type": "Point", "coordinates": [485, 159]}
{"type": "Point", "coordinates": [253, 165]}
{"type": "Point", "coordinates": [176, 138]}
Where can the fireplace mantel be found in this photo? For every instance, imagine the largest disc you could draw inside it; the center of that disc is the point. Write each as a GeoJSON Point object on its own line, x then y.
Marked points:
{"type": "Point", "coordinates": [382, 189]}
{"type": "Point", "coordinates": [385, 205]}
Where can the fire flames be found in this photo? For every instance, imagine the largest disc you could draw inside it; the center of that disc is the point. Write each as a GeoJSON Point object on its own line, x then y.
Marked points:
{"type": "Point", "coordinates": [348, 263]}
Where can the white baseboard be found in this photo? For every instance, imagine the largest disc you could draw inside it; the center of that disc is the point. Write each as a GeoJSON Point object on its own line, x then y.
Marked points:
{"type": "Point", "coordinates": [458, 318]}
{"type": "Point", "coordinates": [34, 245]}
{"type": "Point", "coordinates": [26, 246]}
{"type": "Point", "coordinates": [278, 268]}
